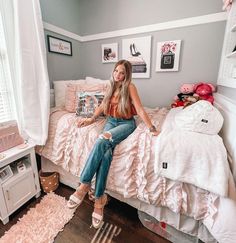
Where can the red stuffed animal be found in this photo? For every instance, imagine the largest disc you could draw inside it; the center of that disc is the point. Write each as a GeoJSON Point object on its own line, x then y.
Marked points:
{"type": "Point", "coordinates": [205, 91]}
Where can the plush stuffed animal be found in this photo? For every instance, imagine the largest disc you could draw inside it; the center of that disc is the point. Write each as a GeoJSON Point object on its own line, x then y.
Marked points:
{"type": "Point", "coordinates": [177, 103]}
{"type": "Point", "coordinates": [205, 91]}
{"type": "Point", "coordinates": [191, 100]}
{"type": "Point", "coordinates": [186, 90]}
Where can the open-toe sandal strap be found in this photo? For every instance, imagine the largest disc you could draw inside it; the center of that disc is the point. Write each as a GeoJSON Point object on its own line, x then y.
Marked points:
{"type": "Point", "coordinates": [97, 216]}
{"type": "Point", "coordinates": [75, 199]}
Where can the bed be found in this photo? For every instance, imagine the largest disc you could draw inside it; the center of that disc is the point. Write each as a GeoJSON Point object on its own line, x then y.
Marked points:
{"type": "Point", "coordinates": [199, 209]}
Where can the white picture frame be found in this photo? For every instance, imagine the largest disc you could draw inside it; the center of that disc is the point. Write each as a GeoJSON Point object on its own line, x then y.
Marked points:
{"type": "Point", "coordinates": [5, 173]}
{"type": "Point", "coordinates": [109, 53]}
{"type": "Point", "coordinates": [138, 52]}
{"type": "Point", "coordinates": [167, 57]}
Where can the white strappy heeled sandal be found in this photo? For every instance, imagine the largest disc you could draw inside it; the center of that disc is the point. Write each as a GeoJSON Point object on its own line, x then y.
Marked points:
{"type": "Point", "coordinates": [77, 198]}
{"type": "Point", "coordinates": [97, 219]}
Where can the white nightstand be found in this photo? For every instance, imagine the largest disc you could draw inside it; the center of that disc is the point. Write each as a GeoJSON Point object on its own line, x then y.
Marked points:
{"type": "Point", "coordinates": [21, 185]}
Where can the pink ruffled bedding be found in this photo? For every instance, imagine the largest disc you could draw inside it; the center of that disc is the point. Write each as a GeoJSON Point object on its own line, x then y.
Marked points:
{"type": "Point", "coordinates": [132, 169]}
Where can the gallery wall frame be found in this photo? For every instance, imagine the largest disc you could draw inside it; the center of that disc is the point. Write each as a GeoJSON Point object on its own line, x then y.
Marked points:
{"type": "Point", "coordinates": [138, 52]}
{"type": "Point", "coordinates": [167, 57]}
{"type": "Point", "coordinates": [59, 46]}
{"type": "Point", "coordinates": [109, 53]}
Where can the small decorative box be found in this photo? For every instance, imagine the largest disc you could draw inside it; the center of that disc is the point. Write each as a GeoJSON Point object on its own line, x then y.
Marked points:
{"type": "Point", "coordinates": [9, 135]}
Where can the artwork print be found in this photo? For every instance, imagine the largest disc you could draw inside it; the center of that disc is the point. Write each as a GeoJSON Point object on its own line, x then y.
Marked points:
{"type": "Point", "coordinates": [109, 53]}
{"type": "Point", "coordinates": [137, 51]}
{"type": "Point", "coordinates": [168, 56]}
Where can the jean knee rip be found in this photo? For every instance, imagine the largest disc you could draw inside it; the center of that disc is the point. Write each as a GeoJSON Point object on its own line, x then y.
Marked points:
{"type": "Point", "coordinates": [103, 136]}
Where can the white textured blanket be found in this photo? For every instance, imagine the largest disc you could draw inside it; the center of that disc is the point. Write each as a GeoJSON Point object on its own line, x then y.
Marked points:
{"type": "Point", "coordinates": [192, 157]}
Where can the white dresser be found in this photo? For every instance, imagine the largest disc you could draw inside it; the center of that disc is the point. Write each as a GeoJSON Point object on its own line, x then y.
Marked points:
{"type": "Point", "coordinates": [17, 185]}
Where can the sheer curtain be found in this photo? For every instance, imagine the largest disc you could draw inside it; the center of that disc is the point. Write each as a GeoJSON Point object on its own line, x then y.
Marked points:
{"type": "Point", "coordinates": [7, 104]}
{"type": "Point", "coordinates": [26, 67]}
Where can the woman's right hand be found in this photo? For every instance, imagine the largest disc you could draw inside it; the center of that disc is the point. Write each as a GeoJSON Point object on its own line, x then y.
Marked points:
{"type": "Point", "coordinates": [85, 122]}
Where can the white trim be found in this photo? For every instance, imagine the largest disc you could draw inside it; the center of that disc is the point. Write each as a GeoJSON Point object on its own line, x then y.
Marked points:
{"type": "Point", "coordinates": [61, 31]}
{"type": "Point", "coordinates": [204, 19]}
{"type": "Point", "coordinates": [160, 26]}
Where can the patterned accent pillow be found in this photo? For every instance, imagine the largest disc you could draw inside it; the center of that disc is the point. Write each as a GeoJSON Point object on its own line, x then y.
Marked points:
{"type": "Point", "coordinates": [88, 102]}
{"type": "Point", "coordinates": [73, 91]}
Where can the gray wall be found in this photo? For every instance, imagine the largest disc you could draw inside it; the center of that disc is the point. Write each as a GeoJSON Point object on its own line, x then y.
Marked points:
{"type": "Point", "coordinates": [199, 61]}
{"type": "Point", "coordinates": [109, 15]}
{"type": "Point", "coordinates": [62, 67]}
{"type": "Point", "coordinates": [61, 13]}
{"type": "Point", "coordinates": [200, 52]}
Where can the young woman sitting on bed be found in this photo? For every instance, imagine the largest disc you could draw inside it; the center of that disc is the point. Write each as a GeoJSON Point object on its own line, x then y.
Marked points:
{"type": "Point", "coordinates": [120, 104]}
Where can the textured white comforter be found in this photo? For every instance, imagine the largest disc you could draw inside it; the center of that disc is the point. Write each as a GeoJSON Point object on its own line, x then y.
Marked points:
{"type": "Point", "coordinates": [132, 169]}
{"type": "Point", "coordinates": [196, 158]}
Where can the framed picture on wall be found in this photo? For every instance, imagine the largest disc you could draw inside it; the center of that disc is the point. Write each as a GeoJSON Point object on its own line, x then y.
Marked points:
{"type": "Point", "coordinates": [167, 59]}
{"type": "Point", "coordinates": [110, 53]}
{"type": "Point", "coordinates": [137, 51]}
{"type": "Point", "coordinates": [57, 45]}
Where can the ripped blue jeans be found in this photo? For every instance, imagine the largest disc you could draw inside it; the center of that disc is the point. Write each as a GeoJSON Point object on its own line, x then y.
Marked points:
{"type": "Point", "coordinates": [100, 158]}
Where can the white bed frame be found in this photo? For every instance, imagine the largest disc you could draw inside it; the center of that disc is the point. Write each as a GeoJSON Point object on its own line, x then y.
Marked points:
{"type": "Point", "coordinates": [227, 107]}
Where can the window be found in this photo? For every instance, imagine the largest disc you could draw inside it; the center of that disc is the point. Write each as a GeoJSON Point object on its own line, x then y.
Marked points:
{"type": "Point", "coordinates": [7, 110]}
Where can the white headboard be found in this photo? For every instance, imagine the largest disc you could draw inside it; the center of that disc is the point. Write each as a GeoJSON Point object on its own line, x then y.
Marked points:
{"type": "Point", "coordinates": [227, 107]}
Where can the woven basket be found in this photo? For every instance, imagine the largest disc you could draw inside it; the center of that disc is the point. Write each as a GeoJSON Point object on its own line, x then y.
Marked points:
{"type": "Point", "coordinates": [49, 181]}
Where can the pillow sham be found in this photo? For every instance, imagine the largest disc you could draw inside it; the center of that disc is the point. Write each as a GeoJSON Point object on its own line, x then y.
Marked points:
{"type": "Point", "coordinates": [200, 117]}
{"type": "Point", "coordinates": [73, 94]}
{"type": "Point", "coordinates": [88, 102]}
{"type": "Point", "coordinates": [91, 80]}
{"type": "Point", "coordinates": [59, 90]}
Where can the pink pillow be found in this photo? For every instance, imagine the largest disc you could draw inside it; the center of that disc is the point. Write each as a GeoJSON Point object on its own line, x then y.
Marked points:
{"type": "Point", "coordinates": [72, 90]}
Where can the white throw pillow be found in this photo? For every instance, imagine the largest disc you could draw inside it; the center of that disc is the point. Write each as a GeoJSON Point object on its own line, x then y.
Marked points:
{"type": "Point", "coordinates": [200, 117]}
{"type": "Point", "coordinates": [59, 90]}
{"type": "Point", "coordinates": [91, 80]}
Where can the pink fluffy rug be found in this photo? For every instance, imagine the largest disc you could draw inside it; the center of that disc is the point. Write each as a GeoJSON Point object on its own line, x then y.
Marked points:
{"type": "Point", "coordinates": [42, 223]}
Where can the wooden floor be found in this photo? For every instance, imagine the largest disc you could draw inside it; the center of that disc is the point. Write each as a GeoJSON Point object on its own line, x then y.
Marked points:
{"type": "Point", "coordinates": [117, 215]}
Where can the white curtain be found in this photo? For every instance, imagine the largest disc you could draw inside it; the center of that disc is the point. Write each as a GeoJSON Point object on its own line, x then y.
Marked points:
{"type": "Point", "coordinates": [23, 30]}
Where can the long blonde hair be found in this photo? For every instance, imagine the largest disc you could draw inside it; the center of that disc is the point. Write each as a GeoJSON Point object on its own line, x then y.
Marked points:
{"type": "Point", "coordinates": [123, 90]}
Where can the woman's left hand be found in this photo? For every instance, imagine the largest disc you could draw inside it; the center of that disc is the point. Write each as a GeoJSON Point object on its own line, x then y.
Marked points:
{"type": "Point", "coordinates": [155, 133]}
{"type": "Point", "coordinates": [85, 122]}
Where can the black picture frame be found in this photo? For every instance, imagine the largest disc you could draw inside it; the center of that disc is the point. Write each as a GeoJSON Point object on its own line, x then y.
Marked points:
{"type": "Point", "coordinates": [59, 46]}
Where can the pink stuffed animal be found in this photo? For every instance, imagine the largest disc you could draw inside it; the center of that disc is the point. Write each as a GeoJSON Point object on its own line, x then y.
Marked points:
{"type": "Point", "coordinates": [186, 91]}
{"type": "Point", "coordinates": [205, 91]}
